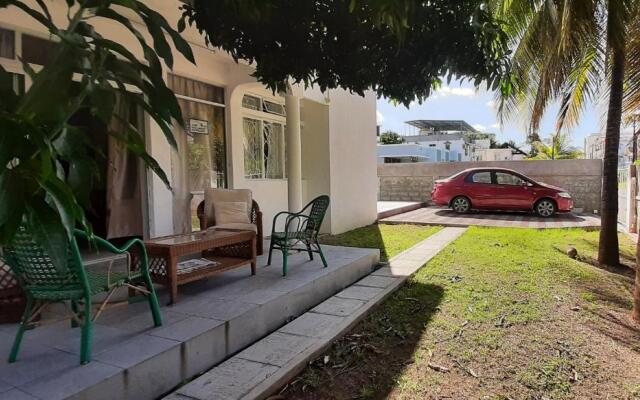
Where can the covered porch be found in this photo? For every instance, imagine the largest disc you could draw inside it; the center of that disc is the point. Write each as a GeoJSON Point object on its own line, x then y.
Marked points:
{"type": "Point", "coordinates": [213, 320]}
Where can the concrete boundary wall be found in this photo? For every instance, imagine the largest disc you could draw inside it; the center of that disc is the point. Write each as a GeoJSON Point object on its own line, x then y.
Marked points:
{"type": "Point", "coordinates": [414, 181]}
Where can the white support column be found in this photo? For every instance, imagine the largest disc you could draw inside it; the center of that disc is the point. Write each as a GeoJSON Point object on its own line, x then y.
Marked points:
{"type": "Point", "coordinates": [294, 153]}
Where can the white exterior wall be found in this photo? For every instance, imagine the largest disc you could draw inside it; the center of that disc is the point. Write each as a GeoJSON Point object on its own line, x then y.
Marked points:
{"type": "Point", "coordinates": [340, 159]}
{"type": "Point", "coordinates": [352, 124]}
{"type": "Point", "coordinates": [497, 155]}
{"type": "Point", "coordinates": [316, 154]}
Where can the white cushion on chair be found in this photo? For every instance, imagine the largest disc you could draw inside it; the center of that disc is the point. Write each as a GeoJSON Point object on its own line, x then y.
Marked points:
{"type": "Point", "coordinates": [213, 196]}
{"type": "Point", "coordinates": [231, 212]}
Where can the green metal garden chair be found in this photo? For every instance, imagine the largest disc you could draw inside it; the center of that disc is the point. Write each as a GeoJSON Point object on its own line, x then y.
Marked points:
{"type": "Point", "coordinates": [44, 284]}
{"type": "Point", "coordinates": [300, 229]}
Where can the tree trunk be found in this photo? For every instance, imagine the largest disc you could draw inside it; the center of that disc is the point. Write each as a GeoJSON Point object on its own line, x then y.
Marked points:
{"type": "Point", "coordinates": [608, 252]}
{"type": "Point", "coordinates": [635, 314]}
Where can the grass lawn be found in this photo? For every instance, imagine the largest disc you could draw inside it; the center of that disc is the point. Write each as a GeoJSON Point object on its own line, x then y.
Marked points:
{"type": "Point", "coordinates": [390, 239]}
{"type": "Point", "coordinates": [499, 314]}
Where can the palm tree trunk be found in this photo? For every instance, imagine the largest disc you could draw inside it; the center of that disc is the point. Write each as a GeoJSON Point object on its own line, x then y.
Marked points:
{"type": "Point", "coordinates": [608, 252]}
{"type": "Point", "coordinates": [635, 314]}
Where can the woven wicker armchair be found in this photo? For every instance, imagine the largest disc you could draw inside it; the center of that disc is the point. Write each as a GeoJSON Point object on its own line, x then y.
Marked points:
{"type": "Point", "coordinates": [44, 283]}
{"type": "Point", "coordinates": [207, 221]}
{"type": "Point", "coordinates": [301, 231]}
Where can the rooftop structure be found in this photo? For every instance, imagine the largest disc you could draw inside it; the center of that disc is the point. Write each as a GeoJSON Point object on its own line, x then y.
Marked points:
{"type": "Point", "coordinates": [441, 125]}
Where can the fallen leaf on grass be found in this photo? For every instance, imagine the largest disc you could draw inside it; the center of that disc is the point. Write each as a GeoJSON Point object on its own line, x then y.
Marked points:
{"type": "Point", "coordinates": [438, 368]}
{"type": "Point", "coordinates": [469, 371]}
{"type": "Point", "coordinates": [373, 348]}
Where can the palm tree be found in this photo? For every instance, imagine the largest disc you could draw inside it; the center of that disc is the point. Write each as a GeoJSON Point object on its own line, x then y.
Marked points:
{"type": "Point", "coordinates": [558, 147]}
{"type": "Point", "coordinates": [574, 52]}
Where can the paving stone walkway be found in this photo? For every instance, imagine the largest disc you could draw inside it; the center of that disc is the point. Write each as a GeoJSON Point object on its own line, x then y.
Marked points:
{"type": "Point", "coordinates": [446, 217]}
{"type": "Point", "coordinates": [264, 367]}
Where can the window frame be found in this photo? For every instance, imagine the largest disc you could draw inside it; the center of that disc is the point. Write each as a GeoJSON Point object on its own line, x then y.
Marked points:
{"type": "Point", "coordinates": [470, 177]}
{"type": "Point", "coordinates": [265, 117]}
{"type": "Point", "coordinates": [263, 170]}
{"type": "Point", "coordinates": [495, 174]}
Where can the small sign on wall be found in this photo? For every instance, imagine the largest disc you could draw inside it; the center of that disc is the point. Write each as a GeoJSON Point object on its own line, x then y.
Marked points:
{"type": "Point", "coordinates": [198, 127]}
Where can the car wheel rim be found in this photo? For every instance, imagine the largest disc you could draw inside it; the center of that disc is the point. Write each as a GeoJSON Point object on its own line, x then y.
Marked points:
{"type": "Point", "coordinates": [545, 208]}
{"type": "Point", "coordinates": [460, 205]}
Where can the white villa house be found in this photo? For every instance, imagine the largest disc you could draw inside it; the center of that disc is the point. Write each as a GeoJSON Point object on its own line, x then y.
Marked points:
{"type": "Point", "coordinates": [594, 148]}
{"type": "Point", "coordinates": [437, 141]}
{"type": "Point", "coordinates": [287, 148]}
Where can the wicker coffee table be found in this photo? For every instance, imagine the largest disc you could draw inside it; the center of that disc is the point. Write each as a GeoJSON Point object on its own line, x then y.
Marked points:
{"type": "Point", "coordinates": [175, 260]}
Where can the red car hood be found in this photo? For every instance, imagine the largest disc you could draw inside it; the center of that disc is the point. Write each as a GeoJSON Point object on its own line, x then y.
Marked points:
{"type": "Point", "coordinates": [546, 185]}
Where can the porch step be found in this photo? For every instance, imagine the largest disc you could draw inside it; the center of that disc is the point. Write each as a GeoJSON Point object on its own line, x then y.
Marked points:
{"type": "Point", "coordinates": [267, 365]}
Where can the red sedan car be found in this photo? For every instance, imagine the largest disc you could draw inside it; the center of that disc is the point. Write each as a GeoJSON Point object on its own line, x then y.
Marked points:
{"type": "Point", "coordinates": [499, 189]}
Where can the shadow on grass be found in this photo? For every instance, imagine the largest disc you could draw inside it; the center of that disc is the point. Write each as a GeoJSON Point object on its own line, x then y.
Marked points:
{"type": "Point", "coordinates": [368, 237]}
{"type": "Point", "coordinates": [619, 327]}
{"type": "Point", "coordinates": [389, 239]}
{"type": "Point", "coordinates": [623, 269]}
{"type": "Point", "coordinates": [368, 361]}
{"type": "Point", "coordinates": [628, 258]}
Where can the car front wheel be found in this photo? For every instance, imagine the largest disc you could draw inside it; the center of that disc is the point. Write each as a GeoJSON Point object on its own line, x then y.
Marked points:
{"type": "Point", "coordinates": [545, 208]}
{"type": "Point", "coordinates": [461, 205]}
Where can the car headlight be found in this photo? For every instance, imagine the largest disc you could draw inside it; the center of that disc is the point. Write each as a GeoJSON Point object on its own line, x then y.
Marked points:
{"type": "Point", "coordinates": [564, 194]}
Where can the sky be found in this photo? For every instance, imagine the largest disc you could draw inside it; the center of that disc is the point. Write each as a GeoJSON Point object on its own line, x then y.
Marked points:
{"type": "Point", "coordinates": [462, 101]}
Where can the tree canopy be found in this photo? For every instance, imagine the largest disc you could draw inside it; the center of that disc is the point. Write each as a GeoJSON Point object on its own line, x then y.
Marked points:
{"type": "Point", "coordinates": [390, 137]}
{"type": "Point", "coordinates": [400, 49]}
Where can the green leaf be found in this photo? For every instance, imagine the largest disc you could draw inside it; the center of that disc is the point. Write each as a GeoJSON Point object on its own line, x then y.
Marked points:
{"type": "Point", "coordinates": [12, 204]}
{"type": "Point", "coordinates": [134, 143]}
{"type": "Point", "coordinates": [62, 197]}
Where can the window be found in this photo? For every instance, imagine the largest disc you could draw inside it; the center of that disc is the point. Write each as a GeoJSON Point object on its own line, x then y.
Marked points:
{"type": "Point", "coordinates": [273, 108]}
{"type": "Point", "coordinates": [37, 50]}
{"type": "Point", "coordinates": [7, 44]}
{"type": "Point", "coordinates": [251, 102]}
{"type": "Point", "coordinates": [481, 177]}
{"type": "Point", "coordinates": [508, 179]}
{"type": "Point", "coordinates": [432, 145]}
{"type": "Point", "coordinates": [266, 106]}
{"type": "Point", "coordinates": [252, 149]}
{"type": "Point", "coordinates": [263, 149]}
{"type": "Point", "coordinates": [16, 83]}
{"type": "Point", "coordinates": [201, 160]}
{"type": "Point", "coordinates": [195, 89]}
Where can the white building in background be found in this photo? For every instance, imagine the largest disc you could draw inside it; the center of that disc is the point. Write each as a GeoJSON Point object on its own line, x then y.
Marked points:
{"type": "Point", "coordinates": [594, 147]}
{"type": "Point", "coordinates": [287, 148]}
{"type": "Point", "coordinates": [508, 154]}
{"type": "Point", "coordinates": [437, 141]}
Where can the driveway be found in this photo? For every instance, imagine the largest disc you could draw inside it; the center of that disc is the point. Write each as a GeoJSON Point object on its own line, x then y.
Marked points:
{"type": "Point", "coordinates": [446, 217]}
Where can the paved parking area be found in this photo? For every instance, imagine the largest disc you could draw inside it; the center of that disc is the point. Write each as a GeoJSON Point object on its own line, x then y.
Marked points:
{"type": "Point", "coordinates": [446, 217]}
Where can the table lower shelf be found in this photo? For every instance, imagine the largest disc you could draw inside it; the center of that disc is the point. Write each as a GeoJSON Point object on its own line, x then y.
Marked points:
{"type": "Point", "coordinates": [218, 264]}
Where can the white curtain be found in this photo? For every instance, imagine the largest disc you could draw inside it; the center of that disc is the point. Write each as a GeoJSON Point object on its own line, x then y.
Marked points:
{"type": "Point", "coordinates": [124, 191]}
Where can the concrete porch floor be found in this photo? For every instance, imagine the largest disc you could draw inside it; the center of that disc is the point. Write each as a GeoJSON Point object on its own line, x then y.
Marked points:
{"type": "Point", "coordinates": [212, 320]}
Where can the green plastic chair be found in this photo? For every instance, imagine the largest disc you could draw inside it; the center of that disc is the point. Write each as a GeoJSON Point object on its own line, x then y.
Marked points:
{"type": "Point", "coordinates": [44, 284]}
{"type": "Point", "coordinates": [300, 229]}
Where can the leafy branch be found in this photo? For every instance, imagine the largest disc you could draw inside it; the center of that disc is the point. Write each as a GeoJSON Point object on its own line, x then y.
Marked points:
{"type": "Point", "coordinates": [47, 163]}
